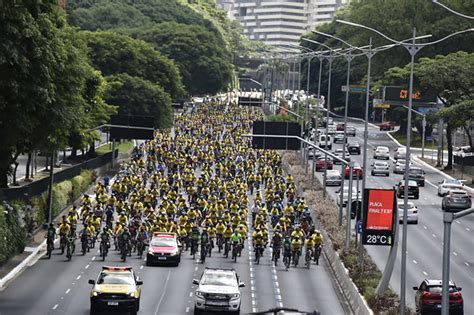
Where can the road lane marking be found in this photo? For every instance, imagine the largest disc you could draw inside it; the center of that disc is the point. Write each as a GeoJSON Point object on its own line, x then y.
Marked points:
{"type": "Point", "coordinates": [164, 292]}
{"type": "Point", "coordinates": [468, 229]}
{"type": "Point", "coordinates": [455, 254]}
{"type": "Point", "coordinates": [141, 267]}
{"type": "Point", "coordinates": [190, 294]}
{"type": "Point", "coordinates": [93, 258]}
{"type": "Point", "coordinates": [67, 291]}
{"type": "Point", "coordinates": [55, 306]}
{"type": "Point", "coordinates": [87, 266]}
{"type": "Point", "coordinates": [434, 235]}
{"type": "Point", "coordinates": [424, 226]}
{"type": "Point", "coordinates": [415, 262]}
{"type": "Point", "coordinates": [78, 277]}
{"type": "Point", "coordinates": [187, 309]}
{"type": "Point", "coordinates": [430, 183]}
{"type": "Point", "coordinates": [425, 273]}
{"type": "Point", "coordinates": [467, 264]}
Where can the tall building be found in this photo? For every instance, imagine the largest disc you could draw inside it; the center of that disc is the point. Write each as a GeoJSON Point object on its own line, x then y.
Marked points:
{"type": "Point", "coordinates": [280, 22]}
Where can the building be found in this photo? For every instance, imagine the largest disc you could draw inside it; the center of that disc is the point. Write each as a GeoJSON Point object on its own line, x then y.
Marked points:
{"type": "Point", "coordinates": [280, 22]}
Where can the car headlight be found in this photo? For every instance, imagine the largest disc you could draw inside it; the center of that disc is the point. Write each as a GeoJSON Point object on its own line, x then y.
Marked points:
{"type": "Point", "coordinates": [133, 294]}
{"type": "Point", "coordinates": [235, 296]}
{"type": "Point", "coordinates": [174, 253]}
{"type": "Point", "coordinates": [95, 293]}
{"type": "Point", "coordinates": [199, 294]}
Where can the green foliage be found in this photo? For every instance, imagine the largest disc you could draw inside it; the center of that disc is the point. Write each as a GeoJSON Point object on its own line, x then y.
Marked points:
{"type": "Point", "coordinates": [201, 57]}
{"type": "Point", "coordinates": [12, 230]}
{"type": "Point", "coordinates": [136, 96]}
{"type": "Point", "coordinates": [62, 193]}
{"type": "Point", "coordinates": [113, 53]}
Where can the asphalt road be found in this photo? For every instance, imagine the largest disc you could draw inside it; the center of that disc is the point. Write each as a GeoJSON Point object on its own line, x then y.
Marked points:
{"type": "Point", "coordinates": [425, 240]}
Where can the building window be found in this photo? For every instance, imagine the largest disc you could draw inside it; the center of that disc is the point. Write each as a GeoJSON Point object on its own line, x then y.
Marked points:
{"type": "Point", "coordinates": [243, 11]}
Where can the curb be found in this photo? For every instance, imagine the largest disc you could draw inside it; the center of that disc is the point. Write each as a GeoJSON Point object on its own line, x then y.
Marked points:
{"type": "Point", "coordinates": [21, 266]}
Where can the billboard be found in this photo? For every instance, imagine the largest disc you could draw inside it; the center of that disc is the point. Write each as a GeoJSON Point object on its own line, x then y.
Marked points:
{"type": "Point", "coordinates": [144, 131]}
{"type": "Point", "coordinates": [276, 128]}
{"type": "Point", "coordinates": [379, 220]}
{"type": "Point", "coordinates": [250, 101]}
{"type": "Point", "coordinates": [394, 94]}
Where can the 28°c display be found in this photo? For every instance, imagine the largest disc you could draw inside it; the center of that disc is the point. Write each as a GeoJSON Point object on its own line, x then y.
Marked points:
{"type": "Point", "coordinates": [379, 217]}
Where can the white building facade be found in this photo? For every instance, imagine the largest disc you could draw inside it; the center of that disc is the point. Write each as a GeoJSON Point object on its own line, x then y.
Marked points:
{"type": "Point", "coordinates": [280, 22]}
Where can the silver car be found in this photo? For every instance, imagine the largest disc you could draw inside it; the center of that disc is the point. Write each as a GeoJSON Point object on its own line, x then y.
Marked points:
{"type": "Point", "coordinates": [447, 185]}
{"type": "Point", "coordinates": [382, 152]}
{"type": "Point", "coordinates": [333, 178]}
{"type": "Point", "coordinates": [412, 213]}
{"type": "Point", "coordinates": [400, 165]}
{"type": "Point", "coordinates": [218, 290]}
{"type": "Point", "coordinates": [400, 153]}
{"type": "Point", "coordinates": [380, 168]}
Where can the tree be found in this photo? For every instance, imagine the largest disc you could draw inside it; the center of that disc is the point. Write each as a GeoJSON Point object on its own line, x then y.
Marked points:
{"type": "Point", "coordinates": [136, 96]}
{"type": "Point", "coordinates": [204, 63]}
{"type": "Point", "coordinates": [113, 53]}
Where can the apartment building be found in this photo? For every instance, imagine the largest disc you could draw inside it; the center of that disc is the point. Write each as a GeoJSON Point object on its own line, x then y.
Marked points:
{"type": "Point", "coordinates": [280, 22]}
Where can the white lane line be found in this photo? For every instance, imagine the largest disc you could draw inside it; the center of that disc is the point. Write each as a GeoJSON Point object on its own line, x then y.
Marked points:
{"type": "Point", "coordinates": [93, 258]}
{"type": "Point", "coordinates": [424, 226]}
{"type": "Point", "coordinates": [67, 291]}
{"type": "Point", "coordinates": [468, 229]}
{"type": "Point", "coordinates": [87, 266]}
{"type": "Point", "coordinates": [164, 291]}
{"type": "Point", "coordinates": [455, 254]}
{"type": "Point", "coordinates": [425, 273]}
{"type": "Point", "coordinates": [141, 267]}
{"type": "Point", "coordinates": [415, 262]}
{"type": "Point", "coordinates": [190, 294]}
{"type": "Point", "coordinates": [467, 264]}
{"type": "Point", "coordinates": [434, 235]}
{"type": "Point", "coordinates": [78, 277]}
{"type": "Point", "coordinates": [55, 306]}
{"type": "Point", "coordinates": [196, 268]}
{"type": "Point", "coordinates": [187, 309]}
{"type": "Point", "coordinates": [431, 184]}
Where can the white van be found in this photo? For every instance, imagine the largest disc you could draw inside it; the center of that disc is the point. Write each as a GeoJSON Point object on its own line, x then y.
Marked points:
{"type": "Point", "coordinates": [325, 143]}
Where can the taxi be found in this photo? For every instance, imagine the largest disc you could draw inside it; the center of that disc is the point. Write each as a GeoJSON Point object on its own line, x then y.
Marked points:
{"type": "Point", "coordinates": [116, 288]}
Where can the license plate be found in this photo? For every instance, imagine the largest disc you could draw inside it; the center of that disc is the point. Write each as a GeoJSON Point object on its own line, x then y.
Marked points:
{"type": "Point", "coordinates": [113, 303]}
{"type": "Point", "coordinates": [161, 258]}
{"type": "Point", "coordinates": [215, 303]}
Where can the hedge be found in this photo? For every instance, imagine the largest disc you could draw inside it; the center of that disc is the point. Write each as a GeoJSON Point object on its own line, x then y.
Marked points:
{"type": "Point", "coordinates": [12, 215]}
{"type": "Point", "coordinates": [12, 230]}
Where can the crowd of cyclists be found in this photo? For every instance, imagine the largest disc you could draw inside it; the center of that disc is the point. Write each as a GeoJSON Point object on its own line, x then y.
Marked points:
{"type": "Point", "coordinates": [204, 182]}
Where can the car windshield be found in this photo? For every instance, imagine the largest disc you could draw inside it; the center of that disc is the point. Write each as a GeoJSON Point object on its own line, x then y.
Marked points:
{"type": "Point", "coordinates": [382, 149]}
{"type": "Point", "coordinates": [453, 182]}
{"type": "Point", "coordinates": [410, 205]}
{"type": "Point", "coordinates": [116, 278]}
{"type": "Point", "coordinates": [381, 164]}
{"type": "Point", "coordinates": [416, 171]}
{"type": "Point", "coordinates": [163, 242]}
{"type": "Point", "coordinates": [439, 289]}
{"type": "Point", "coordinates": [221, 279]}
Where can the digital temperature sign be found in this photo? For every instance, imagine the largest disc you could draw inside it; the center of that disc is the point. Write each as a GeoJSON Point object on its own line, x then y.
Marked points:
{"type": "Point", "coordinates": [379, 217]}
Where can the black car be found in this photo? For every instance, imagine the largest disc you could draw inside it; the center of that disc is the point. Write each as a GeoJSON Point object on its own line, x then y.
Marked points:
{"type": "Point", "coordinates": [428, 297]}
{"type": "Point", "coordinates": [413, 189]}
{"type": "Point", "coordinates": [353, 148]}
{"type": "Point", "coordinates": [416, 174]}
{"type": "Point", "coordinates": [456, 200]}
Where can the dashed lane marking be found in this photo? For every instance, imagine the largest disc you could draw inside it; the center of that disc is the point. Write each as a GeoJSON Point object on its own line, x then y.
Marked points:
{"type": "Point", "coordinates": [467, 264]}
{"type": "Point", "coordinates": [163, 294]}
{"type": "Point", "coordinates": [455, 254]}
{"type": "Point", "coordinates": [93, 258]}
{"type": "Point", "coordinates": [55, 306]}
{"type": "Point", "coordinates": [190, 294]}
{"type": "Point", "coordinates": [415, 262]}
{"type": "Point", "coordinates": [67, 291]}
{"type": "Point", "coordinates": [434, 235]}
{"type": "Point", "coordinates": [141, 267]}
{"type": "Point", "coordinates": [78, 277]}
{"type": "Point", "coordinates": [87, 266]}
{"type": "Point", "coordinates": [468, 229]}
{"type": "Point", "coordinates": [187, 309]}
{"type": "Point", "coordinates": [425, 273]}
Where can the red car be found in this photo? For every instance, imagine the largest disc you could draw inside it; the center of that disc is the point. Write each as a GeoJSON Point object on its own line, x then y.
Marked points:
{"type": "Point", "coordinates": [164, 249]}
{"type": "Point", "coordinates": [387, 126]}
{"type": "Point", "coordinates": [340, 127]}
{"type": "Point", "coordinates": [357, 171]}
{"type": "Point", "coordinates": [428, 297]}
{"type": "Point", "coordinates": [322, 163]}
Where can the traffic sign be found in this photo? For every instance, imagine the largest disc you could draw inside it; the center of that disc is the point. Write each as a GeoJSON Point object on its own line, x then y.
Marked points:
{"type": "Point", "coordinates": [358, 89]}
{"type": "Point", "coordinates": [382, 105]}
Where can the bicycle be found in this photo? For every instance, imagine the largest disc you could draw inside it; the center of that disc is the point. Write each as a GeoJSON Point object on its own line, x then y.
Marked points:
{"type": "Point", "coordinates": [287, 260]}
{"type": "Point", "coordinates": [49, 248]}
{"type": "Point", "coordinates": [258, 253]}
{"type": "Point", "coordinates": [296, 257]}
{"type": "Point", "coordinates": [203, 253]}
{"type": "Point", "coordinates": [193, 248]}
{"type": "Point", "coordinates": [103, 249]}
{"type": "Point", "coordinates": [84, 245]}
{"type": "Point", "coordinates": [140, 248]}
{"type": "Point", "coordinates": [69, 248]}
{"type": "Point", "coordinates": [219, 242]}
{"type": "Point", "coordinates": [62, 243]}
{"type": "Point", "coordinates": [226, 248]}
{"type": "Point", "coordinates": [309, 255]}
{"type": "Point", "coordinates": [124, 250]}
{"type": "Point", "coordinates": [276, 254]}
{"type": "Point", "coordinates": [317, 254]}
{"type": "Point", "coordinates": [235, 251]}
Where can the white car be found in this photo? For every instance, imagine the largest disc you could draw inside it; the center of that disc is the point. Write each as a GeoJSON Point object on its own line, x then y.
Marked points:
{"type": "Point", "coordinates": [325, 143]}
{"type": "Point", "coordinates": [333, 177]}
{"type": "Point", "coordinates": [218, 290]}
{"type": "Point", "coordinates": [380, 168]}
{"type": "Point", "coordinates": [382, 153]}
{"type": "Point", "coordinates": [447, 185]}
{"type": "Point", "coordinates": [400, 165]}
{"type": "Point", "coordinates": [400, 153]}
{"type": "Point", "coordinates": [313, 153]}
{"type": "Point", "coordinates": [412, 213]}
{"type": "Point", "coordinates": [345, 195]}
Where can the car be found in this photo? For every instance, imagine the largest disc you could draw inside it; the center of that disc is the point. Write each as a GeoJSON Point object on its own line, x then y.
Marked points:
{"type": "Point", "coordinates": [413, 189]}
{"type": "Point", "coordinates": [464, 151]}
{"type": "Point", "coordinates": [313, 153]}
{"type": "Point", "coordinates": [357, 171]}
{"type": "Point", "coordinates": [332, 129]}
{"type": "Point", "coordinates": [325, 143]}
{"type": "Point", "coordinates": [387, 126]}
{"type": "Point", "coordinates": [164, 248]}
{"type": "Point", "coordinates": [412, 213]}
{"type": "Point", "coordinates": [115, 289]}
{"type": "Point", "coordinates": [400, 153]}
{"type": "Point", "coordinates": [340, 127]}
{"type": "Point", "coordinates": [428, 297]}
{"type": "Point", "coordinates": [416, 174]}
{"type": "Point", "coordinates": [456, 200]}
{"type": "Point", "coordinates": [328, 120]}
{"type": "Point", "coordinates": [382, 152]}
{"type": "Point", "coordinates": [351, 131]}
{"type": "Point", "coordinates": [333, 178]}
{"type": "Point", "coordinates": [339, 137]}
{"type": "Point", "coordinates": [322, 163]}
{"type": "Point", "coordinates": [353, 148]}
{"type": "Point", "coordinates": [446, 185]}
{"type": "Point", "coordinates": [217, 290]}
{"type": "Point", "coordinates": [380, 168]}
{"type": "Point", "coordinates": [345, 195]}
{"type": "Point", "coordinates": [339, 153]}
{"type": "Point", "coordinates": [399, 166]}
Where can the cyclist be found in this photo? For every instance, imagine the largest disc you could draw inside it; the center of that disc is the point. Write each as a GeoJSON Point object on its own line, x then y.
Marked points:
{"type": "Point", "coordinates": [296, 247]}
{"type": "Point", "coordinates": [236, 239]}
{"type": "Point", "coordinates": [51, 235]}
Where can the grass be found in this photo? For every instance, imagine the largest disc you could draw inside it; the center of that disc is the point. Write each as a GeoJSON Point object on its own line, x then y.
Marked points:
{"type": "Point", "coordinates": [123, 147]}
{"type": "Point", "coordinates": [415, 141]}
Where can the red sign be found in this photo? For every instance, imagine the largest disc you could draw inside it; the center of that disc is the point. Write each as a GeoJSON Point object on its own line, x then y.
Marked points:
{"type": "Point", "coordinates": [380, 209]}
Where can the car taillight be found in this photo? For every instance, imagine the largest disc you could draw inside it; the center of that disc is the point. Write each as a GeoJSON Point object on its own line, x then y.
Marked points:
{"type": "Point", "coordinates": [426, 295]}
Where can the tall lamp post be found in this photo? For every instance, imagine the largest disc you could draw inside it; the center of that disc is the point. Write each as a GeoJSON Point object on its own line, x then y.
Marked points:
{"type": "Point", "coordinates": [413, 48]}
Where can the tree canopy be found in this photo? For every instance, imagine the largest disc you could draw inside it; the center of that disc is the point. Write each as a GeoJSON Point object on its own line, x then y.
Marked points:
{"type": "Point", "coordinates": [113, 53]}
